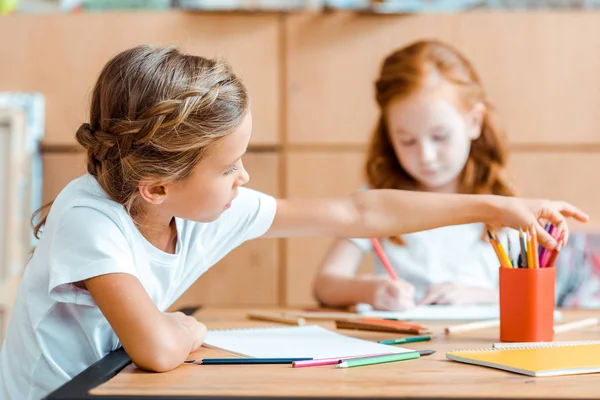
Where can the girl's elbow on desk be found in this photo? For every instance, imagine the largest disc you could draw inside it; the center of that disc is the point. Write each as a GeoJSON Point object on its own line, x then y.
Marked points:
{"type": "Point", "coordinates": [159, 358]}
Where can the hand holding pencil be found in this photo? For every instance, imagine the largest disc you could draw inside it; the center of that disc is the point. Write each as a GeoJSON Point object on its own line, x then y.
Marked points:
{"type": "Point", "coordinates": [392, 295]}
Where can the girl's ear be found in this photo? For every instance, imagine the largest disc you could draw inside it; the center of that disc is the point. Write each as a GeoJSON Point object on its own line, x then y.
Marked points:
{"type": "Point", "coordinates": [153, 193]}
{"type": "Point", "coordinates": [475, 120]}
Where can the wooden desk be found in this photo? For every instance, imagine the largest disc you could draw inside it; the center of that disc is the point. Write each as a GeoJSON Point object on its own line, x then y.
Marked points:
{"type": "Point", "coordinates": [429, 377]}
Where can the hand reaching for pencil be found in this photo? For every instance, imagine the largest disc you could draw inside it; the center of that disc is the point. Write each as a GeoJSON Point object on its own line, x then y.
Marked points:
{"type": "Point", "coordinates": [391, 295]}
{"type": "Point", "coordinates": [519, 212]}
{"type": "Point", "coordinates": [453, 293]}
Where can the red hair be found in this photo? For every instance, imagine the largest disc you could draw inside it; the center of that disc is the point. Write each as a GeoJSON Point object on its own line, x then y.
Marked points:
{"type": "Point", "coordinates": [404, 72]}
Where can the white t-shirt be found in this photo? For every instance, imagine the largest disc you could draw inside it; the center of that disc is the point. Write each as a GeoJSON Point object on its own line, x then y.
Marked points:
{"type": "Point", "coordinates": [56, 330]}
{"type": "Point", "coordinates": [449, 254]}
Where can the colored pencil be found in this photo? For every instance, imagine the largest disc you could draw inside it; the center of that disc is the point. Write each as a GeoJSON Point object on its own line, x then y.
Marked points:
{"type": "Point", "coordinates": [554, 253]}
{"type": "Point", "coordinates": [544, 253]}
{"type": "Point", "coordinates": [534, 246]}
{"type": "Point", "coordinates": [329, 361]}
{"type": "Point", "coordinates": [569, 326]}
{"type": "Point", "coordinates": [235, 361]}
{"type": "Point", "coordinates": [500, 253]}
{"type": "Point", "coordinates": [471, 326]}
{"type": "Point", "coordinates": [412, 339]}
{"type": "Point", "coordinates": [282, 319]}
{"type": "Point", "coordinates": [359, 362]}
{"type": "Point", "coordinates": [523, 249]}
{"type": "Point", "coordinates": [530, 250]}
{"type": "Point", "coordinates": [383, 258]}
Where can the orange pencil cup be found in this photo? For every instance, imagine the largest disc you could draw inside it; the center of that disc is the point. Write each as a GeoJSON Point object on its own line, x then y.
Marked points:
{"type": "Point", "coordinates": [527, 304]}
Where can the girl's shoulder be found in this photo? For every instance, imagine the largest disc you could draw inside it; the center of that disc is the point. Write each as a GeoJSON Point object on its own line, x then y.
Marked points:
{"type": "Point", "coordinates": [85, 195]}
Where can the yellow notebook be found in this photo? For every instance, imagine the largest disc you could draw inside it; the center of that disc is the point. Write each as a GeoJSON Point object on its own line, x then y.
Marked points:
{"type": "Point", "coordinates": [553, 360]}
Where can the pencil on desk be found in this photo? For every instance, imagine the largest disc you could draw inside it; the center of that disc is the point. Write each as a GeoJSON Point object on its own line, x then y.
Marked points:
{"type": "Point", "coordinates": [383, 258]}
{"type": "Point", "coordinates": [411, 339]}
{"type": "Point", "coordinates": [569, 326]}
{"type": "Point", "coordinates": [315, 362]}
{"type": "Point", "coordinates": [359, 362]}
{"type": "Point", "coordinates": [471, 326]}
{"type": "Point", "coordinates": [246, 361]}
{"type": "Point", "coordinates": [277, 318]}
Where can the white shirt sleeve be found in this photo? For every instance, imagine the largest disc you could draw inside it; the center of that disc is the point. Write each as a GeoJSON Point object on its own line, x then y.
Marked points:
{"type": "Point", "coordinates": [250, 216]}
{"type": "Point", "coordinates": [86, 243]}
{"type": "Point", "coordinates": [363, 244]}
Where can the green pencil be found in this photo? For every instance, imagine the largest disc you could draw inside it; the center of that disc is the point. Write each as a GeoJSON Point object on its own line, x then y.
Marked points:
{"type": "Point", "coordinates": [359, 362]}
{"type": "Point", "coordinates": [406, 340]}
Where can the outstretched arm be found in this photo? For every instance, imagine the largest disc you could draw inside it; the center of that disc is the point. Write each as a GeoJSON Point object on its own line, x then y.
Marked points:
{"type": "Point", "coordinates": [383, 213]}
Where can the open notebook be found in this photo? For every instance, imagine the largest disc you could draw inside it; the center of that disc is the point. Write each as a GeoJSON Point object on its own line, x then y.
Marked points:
{"type": "Point", "coordinates": [551, 360]}
{"type": "Point", "coordinates": [446, 313]}
{"type": "Point", "coordinates": [293, 342]}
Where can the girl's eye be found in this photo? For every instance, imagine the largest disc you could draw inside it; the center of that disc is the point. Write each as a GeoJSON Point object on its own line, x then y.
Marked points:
{"type": "Point", "coordinates": [408, 142]}
{"type": "Point", "coordinates": [441, 137]}
{"type": "Point", "coordinates": [231, 170]}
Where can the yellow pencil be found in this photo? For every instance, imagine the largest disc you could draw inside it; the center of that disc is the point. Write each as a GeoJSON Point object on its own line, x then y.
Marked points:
{"type": "Point", "coordinates": [500, 253]}
{"type": "Point", "coordinates": [530, 251]}
{"type": "Point", "coordinates": [534, 247]}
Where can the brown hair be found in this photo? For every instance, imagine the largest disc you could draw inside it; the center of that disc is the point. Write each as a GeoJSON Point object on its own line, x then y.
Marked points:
{"type": "Point", "coordinates": [404, 72]}
{"type": "Point", "coordinates": [154, 114]}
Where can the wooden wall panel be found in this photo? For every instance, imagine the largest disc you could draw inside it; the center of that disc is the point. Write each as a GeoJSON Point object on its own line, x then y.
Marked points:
{"type": "Point", "coordinates": [540, 70]}
{"type": "Point", "coordinates": [59, 169]}
{"type": "Point", "coordinates": [61, 56]}
{"type": "Point", "coordinates": [572, 177]}
{"type": "Point", "coordinates": [316, 174]}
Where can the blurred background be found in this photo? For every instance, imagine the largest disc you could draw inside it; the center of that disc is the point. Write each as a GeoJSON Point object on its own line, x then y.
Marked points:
{"type": "Point", "coordinates": [310, 67]}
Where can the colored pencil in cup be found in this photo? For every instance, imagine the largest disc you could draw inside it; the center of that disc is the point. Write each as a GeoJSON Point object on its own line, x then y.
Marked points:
{"type": "Point", "coordinates": [383, 258]}
{"type": "Point", "coordinates": [544, 253]}
{"type": "Point", "coordinates": [554, 253]}
{"type": "Point", "coordinates": [359, 362]}
{"type": "Point", "coordinates": [570, 326]}
{"type": "Point", "coordinates": [282, 319]}
{"type": "Point", "coordinates": [534, 246]}
{"type": "Point", "coordinates": [471, 326]}
{"type": "Point", "coordinates": [500, 253]}
{"type": "Point", "coordinates": [523, 249]}
{"type": "Point", "coordinates": [544, 261]}
{"type": "Point", "coordinates": [530, 251]}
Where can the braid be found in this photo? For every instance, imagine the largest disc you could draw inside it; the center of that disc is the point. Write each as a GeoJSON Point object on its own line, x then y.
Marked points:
{"type": "Point", "coordinates": [154, 114]}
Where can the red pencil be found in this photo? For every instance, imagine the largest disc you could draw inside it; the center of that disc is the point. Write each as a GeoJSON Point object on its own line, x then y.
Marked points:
{"type": "Point", "coordinates": [383, 258]}
{"type": "Point", "coordinates": [554, 253]}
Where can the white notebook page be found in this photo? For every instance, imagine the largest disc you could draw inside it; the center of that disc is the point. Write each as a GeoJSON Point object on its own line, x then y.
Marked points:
{"type": "Point", "coordinates": [294, 342]}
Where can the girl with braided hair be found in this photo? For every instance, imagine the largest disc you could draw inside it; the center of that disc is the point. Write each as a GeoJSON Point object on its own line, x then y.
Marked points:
{"type": "Point", "coordinates": [437, 132]}
{"type": "Point", "coordinates": [163, 201]}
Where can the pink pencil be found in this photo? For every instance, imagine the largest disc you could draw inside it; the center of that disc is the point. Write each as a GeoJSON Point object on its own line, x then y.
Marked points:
{"type": "Point", "coordinates": [383, 258]}
{"type": "Point", "coordinates": [556, 234]}
{"type": "Point", "coordinates": [329, 361]}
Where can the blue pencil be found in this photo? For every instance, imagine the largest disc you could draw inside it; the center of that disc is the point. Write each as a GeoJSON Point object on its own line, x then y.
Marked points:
{"type": "Point", "coordinates": [230, 361]}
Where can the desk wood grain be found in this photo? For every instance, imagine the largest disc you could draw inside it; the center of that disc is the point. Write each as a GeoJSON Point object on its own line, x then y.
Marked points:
{"type": "Point", "coordinates": [431, 376]}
